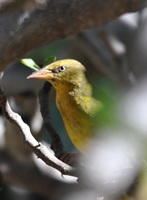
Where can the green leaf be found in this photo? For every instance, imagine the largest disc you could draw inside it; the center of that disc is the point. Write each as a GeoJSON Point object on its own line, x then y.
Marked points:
{"type": "Point", "coordinates": [49, 60]}
{"type": "Point", "coordinates": [30, 63]}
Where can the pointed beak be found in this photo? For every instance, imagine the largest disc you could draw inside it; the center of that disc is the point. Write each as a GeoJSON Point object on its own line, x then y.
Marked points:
{"type": "Point", "coordinates": [43, 73]}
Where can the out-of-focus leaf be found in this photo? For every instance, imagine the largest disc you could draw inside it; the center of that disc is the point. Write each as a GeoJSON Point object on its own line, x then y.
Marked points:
{"type": "Point", "coordinates": [30, 63]}
{"type": "Point", "coordinates": [49, 60]}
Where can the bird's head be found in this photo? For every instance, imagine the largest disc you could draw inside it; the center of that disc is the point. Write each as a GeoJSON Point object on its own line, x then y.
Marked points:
{"type": "Point", "coordinates": [69, 70]}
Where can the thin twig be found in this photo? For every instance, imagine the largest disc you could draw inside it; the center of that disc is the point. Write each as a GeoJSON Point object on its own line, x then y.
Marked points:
{"type": "Point", "coordinates": [56, 145]}
{"type": "Point", "coordinates": [40, 150]}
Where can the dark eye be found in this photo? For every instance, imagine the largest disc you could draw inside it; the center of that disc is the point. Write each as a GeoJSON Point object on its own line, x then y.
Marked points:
{"type": "Point", "coordinates": [62, 68]}
{"type": "Point", "coordinates": [59, 69]}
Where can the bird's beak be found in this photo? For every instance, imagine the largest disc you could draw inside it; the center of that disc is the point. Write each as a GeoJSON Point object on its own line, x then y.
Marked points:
{"type": "Point", "coordinates": [43, 73]}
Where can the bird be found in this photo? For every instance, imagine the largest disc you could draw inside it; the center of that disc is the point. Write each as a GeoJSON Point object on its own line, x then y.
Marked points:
{"type": "Point", "coordinates": [74, 99]}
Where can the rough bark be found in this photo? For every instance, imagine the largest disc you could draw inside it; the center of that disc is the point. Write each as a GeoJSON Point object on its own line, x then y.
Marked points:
{"type": "Point", "coordinates": [25, 26]}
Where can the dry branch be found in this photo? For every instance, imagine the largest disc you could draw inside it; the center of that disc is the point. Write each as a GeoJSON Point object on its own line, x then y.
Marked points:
{"type": "Point", "coordinates": [56, 145]}
{"type": "Point", "coordinates": [40, 150]}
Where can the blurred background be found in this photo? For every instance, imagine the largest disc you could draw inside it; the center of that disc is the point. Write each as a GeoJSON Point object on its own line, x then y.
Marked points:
{"type": "Point", "coordinates": [115, 58]}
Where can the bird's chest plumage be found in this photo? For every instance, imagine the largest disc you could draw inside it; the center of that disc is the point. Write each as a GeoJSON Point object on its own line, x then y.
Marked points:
{"type": "Point", "coordinates": [76, 122]}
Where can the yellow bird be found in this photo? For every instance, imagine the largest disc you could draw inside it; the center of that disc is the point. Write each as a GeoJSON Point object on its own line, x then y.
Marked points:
{"type": "Point", "coordinates": [73, 98]}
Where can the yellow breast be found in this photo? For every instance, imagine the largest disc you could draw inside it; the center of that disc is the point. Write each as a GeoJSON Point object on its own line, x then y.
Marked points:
{"type": "Point", "coordinates": [76, 122]}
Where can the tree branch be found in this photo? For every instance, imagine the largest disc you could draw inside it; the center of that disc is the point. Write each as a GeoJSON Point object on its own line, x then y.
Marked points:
{"type": "Point", "coordinates": [57, 145]}
{"type": "Point", "coordinates": [24, 29]}
{"type": "Point", "coordinates": [40, 150]}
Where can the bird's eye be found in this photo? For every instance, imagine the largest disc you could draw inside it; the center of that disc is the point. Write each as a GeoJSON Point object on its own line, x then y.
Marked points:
{"type": "Point", "coordinates": [59, 69]}
{"type": "Point", "coordinates": [62, 68]}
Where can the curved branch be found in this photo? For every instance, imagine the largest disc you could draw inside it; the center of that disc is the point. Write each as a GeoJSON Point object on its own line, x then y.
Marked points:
{"type": "Point", "coordinates": [40, 150]}
{"type": "Point", "coordinates": [24, 29]}
{"type": "Point", "coordinates": [57, 145]}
